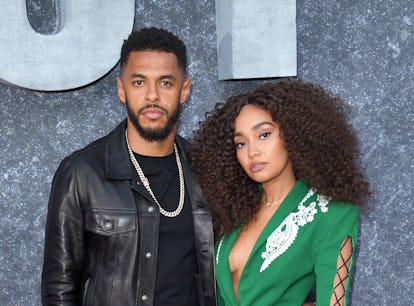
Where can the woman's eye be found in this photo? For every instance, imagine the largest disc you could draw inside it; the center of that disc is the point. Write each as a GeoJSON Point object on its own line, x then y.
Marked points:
{"type": "Point", "coordinates": [264, 135]}
{"type": "Point", "coordinates": [239, 145]}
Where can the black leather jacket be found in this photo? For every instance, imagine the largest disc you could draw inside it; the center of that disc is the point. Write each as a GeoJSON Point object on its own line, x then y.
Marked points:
{"type": "Point", "coordinates": [101, 240]}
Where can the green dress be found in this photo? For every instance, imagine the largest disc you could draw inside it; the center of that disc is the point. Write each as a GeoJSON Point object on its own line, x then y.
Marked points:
{"type": "Point", "coordinates": [297, 249]}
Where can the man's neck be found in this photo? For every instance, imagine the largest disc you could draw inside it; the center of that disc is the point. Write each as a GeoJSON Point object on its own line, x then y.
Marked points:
{"type": "Point", "coordinates": [144, 147]}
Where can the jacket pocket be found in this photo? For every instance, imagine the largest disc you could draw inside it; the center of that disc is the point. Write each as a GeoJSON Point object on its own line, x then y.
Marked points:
{"type": "Point", "coordinates": [110, 222]}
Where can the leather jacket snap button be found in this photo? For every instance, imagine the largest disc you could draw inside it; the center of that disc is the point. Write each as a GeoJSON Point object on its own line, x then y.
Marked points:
{"type": "Point", "coordinates": [108, 225]}
{"type": "Point", "coordinates": [148, 255]}
{"type": "Point", "coordinates": [144, 297]}
{"type": "Point", "coordinates": [151, 209]}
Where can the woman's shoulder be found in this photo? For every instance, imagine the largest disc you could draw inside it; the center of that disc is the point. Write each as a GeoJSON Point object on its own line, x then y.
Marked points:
{"type": "Point", "coordinates": [341, 206]}
{"type": "Point", "coordinates": [341, 219]}
{"type": "Point", "coordinates": [339, 210]}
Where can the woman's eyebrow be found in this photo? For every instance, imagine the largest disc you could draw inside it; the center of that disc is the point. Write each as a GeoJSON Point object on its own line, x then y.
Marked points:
{"type": "Point", "coordinates": [254, 127]}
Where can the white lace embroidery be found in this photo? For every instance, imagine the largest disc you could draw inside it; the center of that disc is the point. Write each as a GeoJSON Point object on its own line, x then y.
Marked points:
{"type": "Point", "coordinates": [285, 234]}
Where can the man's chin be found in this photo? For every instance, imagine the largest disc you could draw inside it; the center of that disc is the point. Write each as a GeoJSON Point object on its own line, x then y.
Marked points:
{"type": "Point", "coordinates": [153, 128]}
{"type": "Point", "coordinates": [154, 133]}
{"type": "Point", "coordinates": [153, 124]}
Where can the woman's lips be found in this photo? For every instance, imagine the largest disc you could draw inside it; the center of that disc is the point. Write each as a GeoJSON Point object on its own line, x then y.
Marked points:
{"type": "Point", "coordinates": [257, 166]}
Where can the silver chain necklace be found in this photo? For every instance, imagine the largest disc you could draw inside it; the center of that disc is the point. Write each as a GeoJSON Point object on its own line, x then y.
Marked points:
{"type": "Point", "coordinates": [147, 186]}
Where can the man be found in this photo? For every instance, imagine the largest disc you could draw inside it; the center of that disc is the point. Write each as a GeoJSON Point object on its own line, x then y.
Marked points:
{"type": "Point", "coordinates": [126, 223]}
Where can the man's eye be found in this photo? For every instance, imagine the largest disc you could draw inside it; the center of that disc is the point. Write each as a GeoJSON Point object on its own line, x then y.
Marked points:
{"type": "Point", "coordinates": [264, 135]}
{"type": "Point", "coordinates": [138, 82]}
{"type": "Point", "coordinates": [165, 83]}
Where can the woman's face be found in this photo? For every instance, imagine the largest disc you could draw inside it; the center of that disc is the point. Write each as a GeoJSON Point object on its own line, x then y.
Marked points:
{"type": "Point", "coordinates": [259, 146]}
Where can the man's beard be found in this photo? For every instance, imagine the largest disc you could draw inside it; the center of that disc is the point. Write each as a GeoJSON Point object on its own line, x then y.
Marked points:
{"type": "Point", "coordinates": [153, 134]}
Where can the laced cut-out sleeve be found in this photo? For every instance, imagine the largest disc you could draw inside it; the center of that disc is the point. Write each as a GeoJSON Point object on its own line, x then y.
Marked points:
{"type": "Point", "coordinates": [335, 256]}
{"type": "Point", "coordinates": [342, 273]}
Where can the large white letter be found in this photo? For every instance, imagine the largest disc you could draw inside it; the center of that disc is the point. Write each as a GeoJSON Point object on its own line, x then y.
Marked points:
{"type": "Point", "coordinates": [256, 39]}
{"type": "Point", "coordinates": [85, 46]}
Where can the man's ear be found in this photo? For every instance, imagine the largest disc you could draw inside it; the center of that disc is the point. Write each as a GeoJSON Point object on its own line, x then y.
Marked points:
{"type": "Point", "coordinates": [185, 90]}
{"type": "Point", "coordinates": [121, 91]}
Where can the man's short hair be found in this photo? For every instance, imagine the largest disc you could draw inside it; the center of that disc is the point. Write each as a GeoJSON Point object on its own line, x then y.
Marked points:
{"type": "Point", "coordinates": [154, 39]}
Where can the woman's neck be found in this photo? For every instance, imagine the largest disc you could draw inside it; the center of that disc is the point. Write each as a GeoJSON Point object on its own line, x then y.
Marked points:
{"type": "Point", "coordinates": [276, 190]}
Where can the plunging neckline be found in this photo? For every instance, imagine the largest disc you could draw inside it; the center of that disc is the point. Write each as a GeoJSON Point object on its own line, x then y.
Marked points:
{"type": "Point", "coordinates": [257, 228]}
{"type": "Point", "coordinates": [288, 204]}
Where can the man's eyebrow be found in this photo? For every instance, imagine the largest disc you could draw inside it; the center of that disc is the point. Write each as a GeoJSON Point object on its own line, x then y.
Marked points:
{"type": "Point", "coordinates": [254, 127]}
{"type": "Point", "coordinates": [137, 75]}
{"type": "Point", "coordinates": [168, 76]}
{"type": "Point", "coordinates": [161, 77]}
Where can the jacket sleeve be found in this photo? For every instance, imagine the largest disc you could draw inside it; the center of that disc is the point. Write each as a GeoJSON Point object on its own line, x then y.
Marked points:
{"type": "Point", "coordinates": [341, 222]}
{"type": "Point", "coordinates": [64, 259]}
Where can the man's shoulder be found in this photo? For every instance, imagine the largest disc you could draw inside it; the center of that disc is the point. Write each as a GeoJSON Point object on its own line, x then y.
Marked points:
{"type": "Point", "coordinates": [95, 149]}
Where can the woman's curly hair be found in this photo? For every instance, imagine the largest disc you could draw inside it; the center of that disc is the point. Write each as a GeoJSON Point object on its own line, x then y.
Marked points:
{"type": "Point", "coordinates": [322, 147]}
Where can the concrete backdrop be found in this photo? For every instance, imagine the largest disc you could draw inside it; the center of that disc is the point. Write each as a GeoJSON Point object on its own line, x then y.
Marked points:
{"type": "Point", "coordinates": [361, 50]}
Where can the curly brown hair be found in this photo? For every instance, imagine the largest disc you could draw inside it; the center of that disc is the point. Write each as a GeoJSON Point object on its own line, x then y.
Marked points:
{"type": "Point", "coordinates": [322, 147]}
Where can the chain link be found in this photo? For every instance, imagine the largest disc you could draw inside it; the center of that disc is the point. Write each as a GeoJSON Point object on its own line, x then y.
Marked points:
{"type": "Point", "coordinates": [145, 181]}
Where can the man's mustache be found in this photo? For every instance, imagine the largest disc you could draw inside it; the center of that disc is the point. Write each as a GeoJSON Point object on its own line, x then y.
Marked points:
{"type": "Point", "coordinates": [152, 105]}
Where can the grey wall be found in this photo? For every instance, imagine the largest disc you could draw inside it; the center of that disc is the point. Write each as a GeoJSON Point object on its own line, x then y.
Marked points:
{"type": "Point", "coordinates": [361, 50]}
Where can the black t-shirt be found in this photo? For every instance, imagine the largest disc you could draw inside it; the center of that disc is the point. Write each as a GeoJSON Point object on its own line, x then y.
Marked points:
{"type": "Point", "coordinates": [177, 261]}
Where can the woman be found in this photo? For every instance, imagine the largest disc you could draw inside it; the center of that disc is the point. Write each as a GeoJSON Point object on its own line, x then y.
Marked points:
{"type": "Point", "coordinates": [279, 167]}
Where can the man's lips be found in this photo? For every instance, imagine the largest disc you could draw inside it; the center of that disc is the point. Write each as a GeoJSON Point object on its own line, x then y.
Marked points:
{"type": "Point", "coordinates": [257, 166]}
{"type": "Point", "coordinates": [152, 113]}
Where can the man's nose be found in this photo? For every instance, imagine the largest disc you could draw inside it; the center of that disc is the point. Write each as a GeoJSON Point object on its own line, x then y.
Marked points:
{"type": "Point", "coordinates": [152, 94]}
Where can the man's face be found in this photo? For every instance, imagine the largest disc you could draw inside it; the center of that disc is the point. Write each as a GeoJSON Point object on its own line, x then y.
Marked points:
{"type": "Point", "coordinates": [153, 86]}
